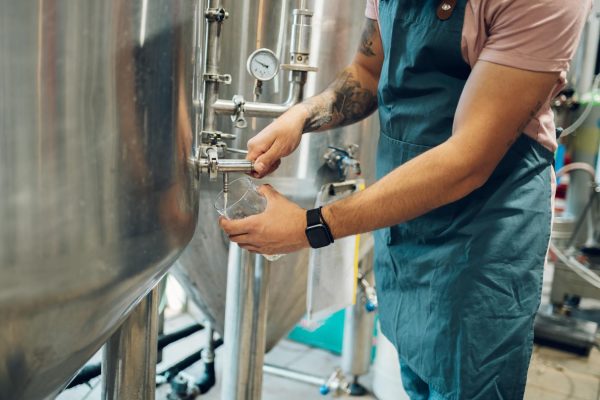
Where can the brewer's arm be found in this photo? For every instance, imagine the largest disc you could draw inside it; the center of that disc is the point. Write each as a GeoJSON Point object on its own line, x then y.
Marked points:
{"type": "Point", "coordinates": [352, 96]}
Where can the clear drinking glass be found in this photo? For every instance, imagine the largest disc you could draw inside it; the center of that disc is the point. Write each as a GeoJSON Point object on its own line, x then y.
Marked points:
{"type": "Point", "coordinates": [242, 200]}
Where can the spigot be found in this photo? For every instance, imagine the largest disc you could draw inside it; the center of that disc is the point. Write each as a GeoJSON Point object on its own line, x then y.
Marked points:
{"type": "Point", "coordinates": [343, 160]}
{"type": "Point", "coordinates": [336, 385]}
{"type": "Point", "coordinates": [370, 294]}
{"type": "Point", "coordinates": [208, 161]}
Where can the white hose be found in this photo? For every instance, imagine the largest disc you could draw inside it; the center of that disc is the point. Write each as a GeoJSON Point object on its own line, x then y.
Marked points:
{"type": "Point", "coordinates": [584, 272]}
{"type": "Point", "coordinates": [570, 129]}
{"type": "Point", "coordinates": [577, 166]}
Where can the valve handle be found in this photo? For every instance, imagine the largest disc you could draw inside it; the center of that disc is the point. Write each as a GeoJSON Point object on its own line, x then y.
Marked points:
{"type": "Point", "coordinates": [324, 390]}
{"type": "Point", "coordinates": [345, 152]}
{"type": "Point", "coordinates": [370, 306]}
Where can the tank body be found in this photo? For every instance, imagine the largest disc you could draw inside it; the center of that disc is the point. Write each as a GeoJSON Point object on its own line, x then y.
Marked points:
{"type": "Point", "coordinates": [97, 199]}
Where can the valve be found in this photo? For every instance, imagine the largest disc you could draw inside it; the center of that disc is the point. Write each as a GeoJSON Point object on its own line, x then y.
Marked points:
{"type": "Point", "coordinates": [336, 385]}
{"type": "Point", "coordinates": [179, 388]}
{"type": "Point", "coordinates": [343, 160]}
{"type": "Point", "coordinates": [370, 295]}
{"type": "Point", "coordinates": [238, 117]}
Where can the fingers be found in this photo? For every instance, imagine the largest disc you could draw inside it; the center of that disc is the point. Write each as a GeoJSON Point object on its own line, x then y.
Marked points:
{"type": "Point", "coordinates": [235, 227]}
{"type": "Point", "coordinates": [250, 248]}
{"type": "Point", "coordinates": [261, 143]}
{"type": "Point", "coordinates": [273, 168]}
{"type": "Point", "coordinates": [257, 146]}
{"type": "Point", "coordinates": [245, 242]}
{"type": "Point", "coordinates": [267, 191]}
{"type": "Point", "coordinates": [266, 161]}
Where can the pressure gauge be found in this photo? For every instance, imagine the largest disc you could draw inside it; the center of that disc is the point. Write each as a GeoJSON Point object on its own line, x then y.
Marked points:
{"type": "Point", "coordinates": [263, 65]}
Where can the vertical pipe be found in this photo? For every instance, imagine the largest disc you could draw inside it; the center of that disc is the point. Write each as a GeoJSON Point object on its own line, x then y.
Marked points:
{"type": "Point", "coordinates": [579, 186]}
{"type": "Point", "coordinates": [212, 55]}
{"type": "Point", "coordinates": [358, 335]}
{"type": "Point", "coordinates": [589, 44]}
{"type": "Point", "coordinates": [162, 294]}
{"type": "Point", "coordinates": [258, 330]}
{"type": "Point", "coordinates": [129, 359]}
{"type": "Point", "coordinates": [245, 325]}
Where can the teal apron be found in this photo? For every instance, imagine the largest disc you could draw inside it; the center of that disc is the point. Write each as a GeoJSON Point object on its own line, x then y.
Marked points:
{"type": "Point", "coordinates": [459, 286]}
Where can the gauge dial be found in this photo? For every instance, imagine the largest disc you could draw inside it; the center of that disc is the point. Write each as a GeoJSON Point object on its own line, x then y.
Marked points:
{"type": "Point", "coordinates": [263, 65]}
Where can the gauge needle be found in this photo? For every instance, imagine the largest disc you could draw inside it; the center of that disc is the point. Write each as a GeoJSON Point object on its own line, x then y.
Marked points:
{"type": "Point", "coordinates": [264, 65]}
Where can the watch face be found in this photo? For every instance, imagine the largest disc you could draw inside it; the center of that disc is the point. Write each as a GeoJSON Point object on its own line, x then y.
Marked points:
{"type": "Point", "coordinates": [317, 236]}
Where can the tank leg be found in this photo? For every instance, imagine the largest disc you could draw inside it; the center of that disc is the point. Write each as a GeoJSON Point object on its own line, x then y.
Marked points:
{"type": "Point", "coordinates": [245, 325]}
{"type": "Point", "coordinates": [358, 334]}
{"type": "Point", "coordinates": [356, 389]}
{"type": "Point", "coordinates": [129, 359]}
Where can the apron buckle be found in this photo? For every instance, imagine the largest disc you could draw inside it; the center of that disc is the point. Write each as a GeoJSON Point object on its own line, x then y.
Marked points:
{"type": "Point", "coordinates": [445, 9]}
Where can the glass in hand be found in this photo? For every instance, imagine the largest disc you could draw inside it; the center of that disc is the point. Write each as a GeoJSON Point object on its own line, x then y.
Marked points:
{"type": "Point", "coordinates": [242, 200]}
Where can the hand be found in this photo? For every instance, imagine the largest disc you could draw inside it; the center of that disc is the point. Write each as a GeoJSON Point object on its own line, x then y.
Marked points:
{"type": "Point", "coordinates": [277, 230]}
{"type": "Point", "coordinates": [276, 141]}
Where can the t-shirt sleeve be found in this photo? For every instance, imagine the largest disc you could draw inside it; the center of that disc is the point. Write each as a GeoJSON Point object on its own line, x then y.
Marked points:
{"type": "Point", "coordinates": [534, 35]}
{"type": "Point", "coordinates": [371, 10]}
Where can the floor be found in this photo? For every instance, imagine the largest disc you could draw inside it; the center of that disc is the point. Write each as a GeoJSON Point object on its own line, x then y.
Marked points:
{"type": "Point", "coordinates": [553, 375]}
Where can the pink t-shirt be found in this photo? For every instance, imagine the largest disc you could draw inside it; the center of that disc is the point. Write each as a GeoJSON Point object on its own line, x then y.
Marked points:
{"type": "Point", "coordinates": [533, 35]}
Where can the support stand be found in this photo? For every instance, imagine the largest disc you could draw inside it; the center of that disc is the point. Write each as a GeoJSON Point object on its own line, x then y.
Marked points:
{"type": "Point", "coordinates": [129, 359]}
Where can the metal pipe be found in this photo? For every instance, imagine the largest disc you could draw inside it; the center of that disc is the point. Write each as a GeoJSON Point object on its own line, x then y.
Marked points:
{"type": "Point", "coordinates": [358, 334]}
{"type": "Point", "coordinates": [245, 325]}
{"type": "Point", "coordinates": [234, 165]}
{"type": "Point", "coordinates": [129, 358]}
{"type": "Point", "coordinates": [294, 375]}
{"type": "Point", "coordinates": [167, 339]}
{"type": "Point", "coordinates": [589, 46]}
{"type": "Point", "coordinates": [266, 110]}
{"type": "Point", "coordinates": [212, 54]}
{"type": "Point", "coordinates": [172, 371]}
{"type": "Point", "coordinates": [91, 371]}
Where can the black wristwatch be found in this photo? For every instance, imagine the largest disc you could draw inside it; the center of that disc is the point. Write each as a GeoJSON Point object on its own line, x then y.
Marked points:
{"type": "Point", "coordinates": [317, 231]}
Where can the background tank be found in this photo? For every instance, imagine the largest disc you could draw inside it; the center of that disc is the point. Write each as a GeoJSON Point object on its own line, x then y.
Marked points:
{"type": "Point", "coordinates": [96, 200]}
{"type": "Point", "coordinates": [336, 30]}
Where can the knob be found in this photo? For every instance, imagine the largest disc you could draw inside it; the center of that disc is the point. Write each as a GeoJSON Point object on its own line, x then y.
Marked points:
{"type": "Point", "coordinates": [370, 306]}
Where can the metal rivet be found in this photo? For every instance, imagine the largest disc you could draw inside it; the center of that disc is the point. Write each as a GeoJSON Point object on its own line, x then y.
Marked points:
{"type": "Point", "coordinates": [446, 6]}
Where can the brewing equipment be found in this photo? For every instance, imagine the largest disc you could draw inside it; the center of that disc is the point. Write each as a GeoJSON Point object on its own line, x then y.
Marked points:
{"type": "Point", "coordinates": [97, 195]}
{"type": "Point", "coordinates": [251, 25]}
{"type": "Point", "coordinates": [257, 289]}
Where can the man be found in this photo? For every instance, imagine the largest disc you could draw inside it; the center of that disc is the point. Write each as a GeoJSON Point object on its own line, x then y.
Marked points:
{"type": "Point", "coordinates": [462, 204]}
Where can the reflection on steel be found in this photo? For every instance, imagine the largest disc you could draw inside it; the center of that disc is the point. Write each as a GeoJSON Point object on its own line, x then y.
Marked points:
{"type": "Point", "coordinates": [129, 359]}
{"type": "Point", "coordinates": [97, 199]}
{"type": "Point", "coordinates": [245, 321]}
{"type": "Point", "coordinates": [358, 329]}
{"type": "Point", "coordinates": [251, 25]}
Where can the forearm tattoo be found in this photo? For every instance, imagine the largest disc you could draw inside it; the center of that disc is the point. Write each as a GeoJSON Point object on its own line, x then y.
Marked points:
{"type": "Point", "coordinates": [347, 102]}
{"type": "Point", "coordinates": [366, 40]}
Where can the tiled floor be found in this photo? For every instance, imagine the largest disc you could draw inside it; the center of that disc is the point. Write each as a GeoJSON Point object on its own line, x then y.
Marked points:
{"type": "Point", "coordinates": [553, 375]}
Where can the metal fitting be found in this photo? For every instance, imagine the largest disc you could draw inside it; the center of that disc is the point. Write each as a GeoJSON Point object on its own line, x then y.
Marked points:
{"type": "Point", "coordinates": [238, 117]}
{"type": "Point", "coordinates": [216, 14]}
{"type": "Point", "coordinates": [343, 160]}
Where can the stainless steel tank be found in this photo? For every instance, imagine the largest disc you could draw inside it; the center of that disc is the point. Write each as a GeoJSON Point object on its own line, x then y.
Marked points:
{"type": "Point", "coordinates": [96, 199]}
{"type": "Point", "coordinates": [252, 24]}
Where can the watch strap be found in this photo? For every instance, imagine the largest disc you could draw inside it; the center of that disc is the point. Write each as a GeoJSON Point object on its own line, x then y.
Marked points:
{"type": "Point", "coordinates": [313, 217]}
